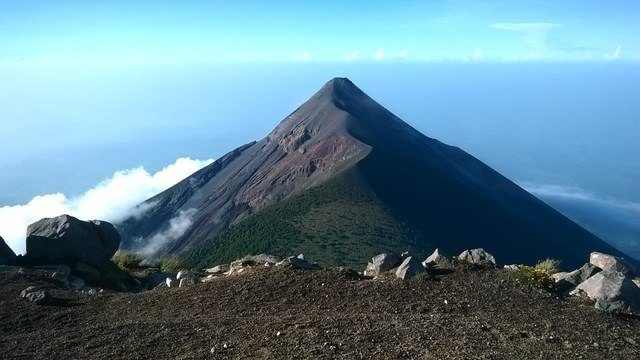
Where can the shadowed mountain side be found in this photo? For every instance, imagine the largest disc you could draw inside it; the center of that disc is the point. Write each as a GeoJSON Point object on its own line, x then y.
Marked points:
{"type": "Point", "coordinates": [431, 194]}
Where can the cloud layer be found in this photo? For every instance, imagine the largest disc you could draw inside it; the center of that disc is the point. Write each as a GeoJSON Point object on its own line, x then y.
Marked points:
{"type": "Point", "coordinates": [112, 200]}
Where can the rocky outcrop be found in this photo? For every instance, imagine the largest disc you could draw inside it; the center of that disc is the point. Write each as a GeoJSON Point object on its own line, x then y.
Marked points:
{"type": "Point", "coordinates": [409, 268]}
{"type": "Point", "coordinates": [218, 269]}
{"type": "Point", "coordinates": [435, 259]}
{"type": "Point", "coordinates": [298, 263]}
{"type": "Point", "coordinates": [264, 259]}
{"type": "Point", "coordinates": [7, 256]}
{"type": "Point", "coordinates": [67, 239]}
{"type": "Point", "coordinates": [478, 257]}
{"type": "Point", "coordinates": [611, 290]}
{"type": "Point", "coordinates": [566, 281]}
{"type": "Point", "coordinates": [381, 263]}
{"type": "Point", "coordinates": [611, 263]}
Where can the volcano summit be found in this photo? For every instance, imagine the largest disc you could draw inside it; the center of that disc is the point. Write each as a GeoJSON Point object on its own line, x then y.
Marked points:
{"type": "Point", "coordinates": [342, 177]}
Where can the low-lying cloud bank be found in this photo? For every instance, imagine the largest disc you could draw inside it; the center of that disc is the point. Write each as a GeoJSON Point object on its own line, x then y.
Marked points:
{"type": "Point", "coordinates": [113, 199]}
{"type": "Point", "coordinates": [616, 221]}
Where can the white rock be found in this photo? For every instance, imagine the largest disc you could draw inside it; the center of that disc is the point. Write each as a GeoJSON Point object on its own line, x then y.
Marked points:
{"type": "Point", "coordinates": [609, 287]}
{"type": "Point", "coordinates": [381, 263]}
{"type": "Point", "coordinates": [409, 268]}
{"type": "Point", "coordinates": [184, 273]}
{"type": "Point", "coordinates": [477, 256]}
{"type": "Point", "coordinates": [435, 259]}
{"type": "Point", "coordinates": [610, 262]}
{"type": "Point", "coordinates": [171, 282]}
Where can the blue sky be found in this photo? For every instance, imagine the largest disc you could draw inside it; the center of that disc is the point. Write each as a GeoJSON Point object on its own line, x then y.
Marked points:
{"type": "Point", "coordinates": [80, 33]}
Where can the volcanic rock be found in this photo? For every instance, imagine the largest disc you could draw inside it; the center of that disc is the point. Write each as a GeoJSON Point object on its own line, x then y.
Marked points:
{"type": "Point", "coordinates": [66, 238]}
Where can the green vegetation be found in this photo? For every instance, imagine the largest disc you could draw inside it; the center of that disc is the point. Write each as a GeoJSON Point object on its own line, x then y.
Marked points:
{"type": "Point", "coordinates": [170, 264]}
{"type": "Point", "coordinates": [340, 222]}
{"type": "Point", "coordinates": [126, 260]}
{"type": "Point", "coordinates": [551, 266]}
{"type": "Point", "coordinates": [536, 277]}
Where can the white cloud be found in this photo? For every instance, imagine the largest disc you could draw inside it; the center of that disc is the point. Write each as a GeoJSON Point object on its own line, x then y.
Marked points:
{"type": "Point", "coordinates": [353, 55]}
{"type": "Point", "coordinates": [178, 225]}
{"type": "Point", "coordinates": [379, 55]}
{"type": "Point", "coordinates": [403, 54]}
{"type": "Point", "coordinates": [575, 193]}
{"type": "Point", "coordinates": [303, 56]}
{"type": "Point", "coordinates": [113, 199]}
{"type": "Point", "coordinates": [535, 34]}
{"type": "Point", "coordinates": [614, 55]}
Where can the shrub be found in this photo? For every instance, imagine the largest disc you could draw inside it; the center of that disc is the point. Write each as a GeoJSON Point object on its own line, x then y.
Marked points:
{"type": "Point", "coordinates": [551, 266]}
{"type": "Point", "coordinates": [171, 264]}
{"type": "Point", "coordinates": [126, 260]}
{"type": "Point", "coordinates": [534, 276]}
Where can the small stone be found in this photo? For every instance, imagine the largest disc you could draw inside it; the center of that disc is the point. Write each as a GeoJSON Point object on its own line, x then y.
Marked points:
{"type": "Point", "coordinates": [186, 282]}
{"type": "Point", "coordinates": [184, 273]}
{"type": "Point", "coordinates": [172, 283]}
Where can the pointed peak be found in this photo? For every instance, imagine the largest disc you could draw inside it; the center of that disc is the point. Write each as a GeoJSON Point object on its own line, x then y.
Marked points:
{"type": "Point", "coordinates": [340, 84]}
{"type": "Point", "coordinates": [342, 91]}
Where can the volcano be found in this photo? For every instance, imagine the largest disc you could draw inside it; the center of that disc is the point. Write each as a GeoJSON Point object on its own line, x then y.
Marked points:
{"type": "Point", "coordinates": [343, 178]}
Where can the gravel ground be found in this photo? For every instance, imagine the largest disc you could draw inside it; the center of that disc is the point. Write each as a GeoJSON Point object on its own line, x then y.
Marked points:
{"type": "Point", "coordinates": [278, 313]}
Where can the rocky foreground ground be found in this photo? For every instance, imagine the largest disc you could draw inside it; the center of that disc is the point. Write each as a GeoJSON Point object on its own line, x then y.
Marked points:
{"type": "Point", "coordinates": [284, 313]}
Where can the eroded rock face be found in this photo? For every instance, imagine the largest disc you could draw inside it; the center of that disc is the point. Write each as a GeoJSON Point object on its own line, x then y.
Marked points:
{"type": "Point", "coordinates": [610, 289]}
{"type": "Point", "coordinates": [612, 263]}
{"type": "Point", "coordinates": [7, 256]}
{"type": "Point", "coordinates": [66, 238]}
{"type": "Point", "coordinates": [568, 280]}
{"type": "Point", "coordinates": [477, 256]}
{"type": "Point", "coordinates": [381, 263]}
{"type": "Point", "coordinates": [409, 268]}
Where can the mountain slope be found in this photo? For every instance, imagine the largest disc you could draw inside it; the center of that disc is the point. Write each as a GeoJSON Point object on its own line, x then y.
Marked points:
{"type": "Point", "coordinates": [436, 194]}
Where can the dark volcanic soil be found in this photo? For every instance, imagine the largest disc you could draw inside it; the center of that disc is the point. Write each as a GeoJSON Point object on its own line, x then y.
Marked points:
{"type": "Point", "coordinates": [282, 313]}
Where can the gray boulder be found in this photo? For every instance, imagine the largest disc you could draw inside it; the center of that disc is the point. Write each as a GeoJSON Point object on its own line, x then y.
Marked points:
{"type": "Point", "coordinates": [568, 280]}
{"type": "Point", "coordinates": [610, 262]}
{"type": "Point", "coordinates": [610, 287]}
{"type": "Point", "coordinates": [381, 263]}
{"type": "Point", "coordinates": [409, 268]}
{"type": "Point", "coordinates": [66, 238]}
{"type": "Point", "coordinates": [7, 256]}
{"type": "Point", "coordinates": [435, 259]}
{"type": "Point", "coordinates": [297, 263]}
{"type": "Point", "coordinates": [265, 259]}
{"type": "Point", "coordinates": [477, 256]}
